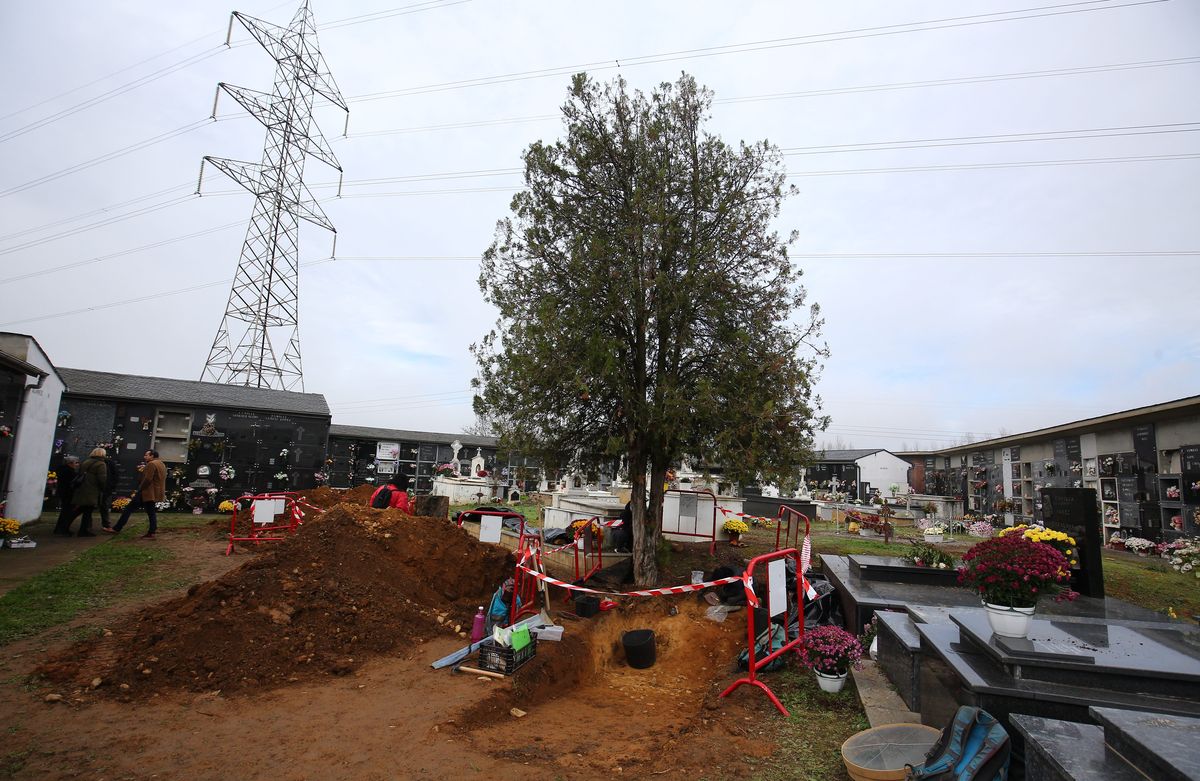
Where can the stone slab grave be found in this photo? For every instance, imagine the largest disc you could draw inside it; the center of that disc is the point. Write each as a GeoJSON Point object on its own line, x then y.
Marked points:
{"type": "Point", "coordinates": [860, 597]}
{"type": "Point", "coordinates": [1124, 746]}
{"type": "Point", "coordinates": [1141, 658]}
{"type": "Point", "coordinates": [893, 569]}
{"type": "Point", "coordinates": [957, 667]}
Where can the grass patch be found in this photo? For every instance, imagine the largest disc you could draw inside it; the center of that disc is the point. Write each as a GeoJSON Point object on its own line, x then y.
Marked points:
{"type": "Point", "coordinates": [1152, 584]}
{"type": "Point", "coordinates": [810, 739]}
{"type": "Point", "coordinates": [94, 579]}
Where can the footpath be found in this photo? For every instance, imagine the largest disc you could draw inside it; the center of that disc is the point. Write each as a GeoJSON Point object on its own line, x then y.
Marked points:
{"type": "Point", "coordinates": [18, 565]}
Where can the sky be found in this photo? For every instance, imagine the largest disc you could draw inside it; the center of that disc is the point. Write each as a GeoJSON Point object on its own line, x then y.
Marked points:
{"type": "Point", "coordinates": [997, 206]}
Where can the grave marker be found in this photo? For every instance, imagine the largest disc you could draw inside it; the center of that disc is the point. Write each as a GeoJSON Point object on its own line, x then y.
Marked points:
{"type": "Point", "coordinates": [1073, 512]}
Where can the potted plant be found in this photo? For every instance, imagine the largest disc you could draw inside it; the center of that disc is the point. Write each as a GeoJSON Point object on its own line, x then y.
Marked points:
{"type": "Point", "coordinates": [1138, 545]}
{"type": "Point", "coordinates": [830, 651]}
{"type": "Point", "coordinates": [1116, 542]}
{"type": "Point", "coordinates": [735, 528]}
{"type": "Point", "coordinates": [934, 532]}
{"type": "Point", "coordinates": [930, 508]}
{"type": "Point", "coordinates": [1011, 572]}
{"type": "Point", "coordinates": [924, 554]}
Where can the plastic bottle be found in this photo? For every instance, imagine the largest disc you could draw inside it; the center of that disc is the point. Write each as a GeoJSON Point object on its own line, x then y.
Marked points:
{"type": "Point", "coordinates": [477, 626]}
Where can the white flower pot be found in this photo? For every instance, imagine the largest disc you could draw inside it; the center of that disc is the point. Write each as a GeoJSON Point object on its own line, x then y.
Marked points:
{"type": "Point", "coordinates": [933, 537]}
{"type": "Point", "coordinates": [830, 683]}
{"type": "Point", "coordinates": [1009, 621]}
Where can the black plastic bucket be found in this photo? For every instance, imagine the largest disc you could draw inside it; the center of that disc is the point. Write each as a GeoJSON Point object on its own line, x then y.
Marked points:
{"type": "Point", "coordinates": [639, 648]}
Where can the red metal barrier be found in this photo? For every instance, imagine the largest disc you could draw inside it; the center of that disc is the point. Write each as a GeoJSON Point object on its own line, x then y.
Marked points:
{"type": "Point", "coordinates": [526, 586]}
{"type": "Point", "coordinates": [596, 554]}
{"type": "Point", "coordinates": [755, 663]}
{"type": "Point", "coordinates": [712, 537]}
{"type": "Point", "coordinates": [790, 514]}
{"type": "Point", "coordinates": [265, 532]}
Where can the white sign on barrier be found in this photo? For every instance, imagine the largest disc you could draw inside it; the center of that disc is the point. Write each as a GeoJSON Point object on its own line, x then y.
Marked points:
{"type": "Point", "coordinates": [489, 528]}
{"type": "Point", "coordinates": [777, 594]}
{"type": "Point", "coordinates": [265, 510]}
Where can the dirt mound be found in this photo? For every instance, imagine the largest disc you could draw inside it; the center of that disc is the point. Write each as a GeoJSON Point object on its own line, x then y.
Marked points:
{"type": "Point", "coordinates": [326, 497]}
{"type": "Point", "coordinates": [352, 583]}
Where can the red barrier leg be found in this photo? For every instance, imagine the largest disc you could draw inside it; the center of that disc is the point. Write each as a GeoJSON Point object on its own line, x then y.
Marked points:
{"type": "Point", "coordinates": [770, 694]}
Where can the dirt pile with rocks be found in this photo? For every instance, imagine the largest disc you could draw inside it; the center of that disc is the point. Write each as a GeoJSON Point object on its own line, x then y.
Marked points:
{"type": "Point", "coordinates": [326, 497]}
{"type": "Point", "coordinates": [352, 583]}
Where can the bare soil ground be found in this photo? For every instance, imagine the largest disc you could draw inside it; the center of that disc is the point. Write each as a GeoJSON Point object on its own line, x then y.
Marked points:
{"type": "Point", "coordinates": [310, 660]}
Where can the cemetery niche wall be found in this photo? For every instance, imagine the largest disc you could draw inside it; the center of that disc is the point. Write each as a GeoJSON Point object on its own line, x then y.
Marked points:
{"type": "Point", "coordinates": [217, 441]}
{"type": "Point", "coordinates": [365, 454]}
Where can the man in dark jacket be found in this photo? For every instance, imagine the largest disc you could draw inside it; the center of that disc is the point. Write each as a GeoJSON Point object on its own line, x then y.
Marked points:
{"type": "Point", "coordinates": [114, 474]}
{"type": "Point", "coordinates": [152, 488]}
{"type": "Point", "coordinates": [65, 489]}
{"type": "Point", "coordinates": [86, 495]}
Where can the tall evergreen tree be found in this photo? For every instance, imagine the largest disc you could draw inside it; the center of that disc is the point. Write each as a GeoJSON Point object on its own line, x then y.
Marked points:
{"type": "Point", "coordinates": [647, 308]}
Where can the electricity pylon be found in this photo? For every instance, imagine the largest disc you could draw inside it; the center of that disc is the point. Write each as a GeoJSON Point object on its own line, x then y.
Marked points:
{"type": "Point", "coordinates": [263, 306]}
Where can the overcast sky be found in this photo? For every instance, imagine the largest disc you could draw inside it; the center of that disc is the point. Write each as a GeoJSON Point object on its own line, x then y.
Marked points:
{"type": "Point", "coordinates": [940, 319]}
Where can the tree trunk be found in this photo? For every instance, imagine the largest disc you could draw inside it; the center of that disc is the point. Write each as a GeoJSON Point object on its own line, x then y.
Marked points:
{"type": "Point", "coordinates": [645, 566]}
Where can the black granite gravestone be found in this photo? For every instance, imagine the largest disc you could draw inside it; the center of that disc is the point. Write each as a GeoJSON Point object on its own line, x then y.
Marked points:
{"type": "Point", "coordinates": [1073, 511]}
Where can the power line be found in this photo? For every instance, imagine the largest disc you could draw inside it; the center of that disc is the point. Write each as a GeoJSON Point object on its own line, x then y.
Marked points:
{"type": "Point", "coordinates": [752, 46]}
{"type": "Point", "coordinates": [98, 224]}
{"type": "Point", "coordinates": [135, 147]}
{"type": "Point", "coordinates": [121, 253]}
{"type": "Point", "coordinates": [122, 70]}
{"type": "Point", "coordinates": [1019, 75]}
{"type": "Point", "coordinates": [388, 14]}
{"type": "Point", "coordinates": [122, 89]}
{"type": "Point", "coordinates": [1002, 138]}
{"type": "Point", "coordinates": [973, 255]}
{"type": "Point", "coordinates": [167, 70]}
{"type": "Point", "coordinates": [321, 261]}
{"type": "Point", "coordinates": [147, 297]}
{"type": "Point", "coordinates": [100, 210]}
{"type": "Point", "coordinates": [984, 166]}
{"type": "Point", "coordinates": [408, 397]}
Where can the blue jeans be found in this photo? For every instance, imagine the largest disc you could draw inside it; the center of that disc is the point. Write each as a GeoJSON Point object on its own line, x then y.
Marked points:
{"type": "Point", "coordinates": [138, 503]}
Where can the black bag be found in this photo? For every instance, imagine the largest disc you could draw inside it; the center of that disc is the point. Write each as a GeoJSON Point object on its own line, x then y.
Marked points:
{"type": "Point", "coordinates": [382, 499]}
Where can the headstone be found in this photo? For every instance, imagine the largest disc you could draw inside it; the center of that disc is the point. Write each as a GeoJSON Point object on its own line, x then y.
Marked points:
{"type": "Point", "coordinates": [477, 462]}
{"type": "Point", "coordinates": [1073, 511]}
{"type": "Point", "coordinates": [431, 506]}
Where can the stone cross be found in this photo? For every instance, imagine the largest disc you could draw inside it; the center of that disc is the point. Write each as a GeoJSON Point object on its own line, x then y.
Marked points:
{"type": "Point", "coordinates": [834, 483]}
{"type": "Point", "coordinates": [455, 446]}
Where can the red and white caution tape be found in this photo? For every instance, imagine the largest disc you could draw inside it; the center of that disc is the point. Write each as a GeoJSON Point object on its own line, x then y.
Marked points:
{"type": "Point", "coordinates": [653, 592]}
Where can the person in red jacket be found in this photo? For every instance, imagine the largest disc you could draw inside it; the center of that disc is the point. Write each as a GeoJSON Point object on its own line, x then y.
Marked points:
{"type": "Point", "coordinates": [390, 496]}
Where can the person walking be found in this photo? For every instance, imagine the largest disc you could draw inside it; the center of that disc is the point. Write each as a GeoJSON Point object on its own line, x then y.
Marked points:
{"type": "Point", "coordinates": [93, 476]}
{"type": "Point", "coordinates": [114, 475]}
{"type": "Point", "coordinates": [65, 489]}
{"type": "Point", "coordinates": [152, 487]}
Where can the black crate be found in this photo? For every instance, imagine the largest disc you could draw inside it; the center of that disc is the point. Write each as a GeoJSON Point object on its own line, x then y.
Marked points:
{"type": "Point", "coordinates": [586, 606]}
{"type": "Point", "coordinates": [503, 659]}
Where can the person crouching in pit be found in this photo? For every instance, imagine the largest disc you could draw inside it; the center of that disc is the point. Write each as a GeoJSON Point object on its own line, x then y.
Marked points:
{"type": "Point", "coordinates": [499, 614]}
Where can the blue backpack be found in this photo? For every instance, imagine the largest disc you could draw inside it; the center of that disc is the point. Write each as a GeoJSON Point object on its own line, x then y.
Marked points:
{"type": "Point", "coordinates": [973, 747]}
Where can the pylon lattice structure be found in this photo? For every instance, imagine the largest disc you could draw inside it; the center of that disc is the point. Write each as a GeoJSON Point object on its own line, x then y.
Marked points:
{"type": "Point", "coordinates": [263, 308]}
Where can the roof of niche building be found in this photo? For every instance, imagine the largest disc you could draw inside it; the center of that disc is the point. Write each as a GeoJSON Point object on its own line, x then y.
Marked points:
{"type": "Point", "coordinates": [370, 432]}
{"type": "Point", "coordinates": [164, 390]}
{"type": "Point", "coordinates": [846, 455]}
